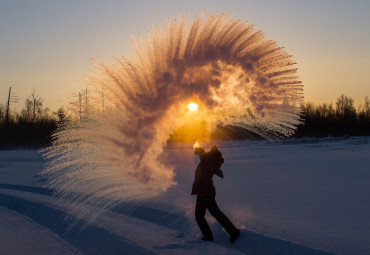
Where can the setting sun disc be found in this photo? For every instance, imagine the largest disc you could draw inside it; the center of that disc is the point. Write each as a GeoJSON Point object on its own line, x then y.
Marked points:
{"type": "Point", "coordinates": [193, 106]}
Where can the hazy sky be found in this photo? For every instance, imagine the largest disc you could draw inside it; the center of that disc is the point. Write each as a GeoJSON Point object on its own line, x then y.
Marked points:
{"type": "Point", "coordinates": [48, 44]}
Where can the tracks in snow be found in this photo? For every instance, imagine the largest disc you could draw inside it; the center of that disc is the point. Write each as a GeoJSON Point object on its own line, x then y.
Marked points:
{"type": "Point", "coordinates": [135, 229]}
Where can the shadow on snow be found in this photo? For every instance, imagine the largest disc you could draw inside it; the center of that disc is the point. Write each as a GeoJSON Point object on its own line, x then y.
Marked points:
{"type": "Point", "coordinates": [93, 239]}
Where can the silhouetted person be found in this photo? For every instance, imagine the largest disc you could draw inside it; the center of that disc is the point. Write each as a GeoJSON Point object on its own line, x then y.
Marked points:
{"type": "Point", "coordinates": [203, 187]}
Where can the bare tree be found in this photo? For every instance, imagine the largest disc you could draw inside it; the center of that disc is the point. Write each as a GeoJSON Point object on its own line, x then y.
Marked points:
{"type": "Point", "coordinates": [61, 114]}
{"type": "Point", "coordinates": [345, 107]}
{"type": "Point", "coordinates": [26, 112]}
{"type": "Point", "coordinates": [36, 104]}
{"type": "Point", "coordinates": [75, 106]}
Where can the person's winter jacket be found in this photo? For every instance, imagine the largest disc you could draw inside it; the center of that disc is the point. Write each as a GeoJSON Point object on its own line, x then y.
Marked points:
{"type": "Point", "coordinates": [203, 183]}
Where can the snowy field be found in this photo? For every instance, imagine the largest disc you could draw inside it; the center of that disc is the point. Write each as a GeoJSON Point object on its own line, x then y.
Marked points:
{"type": "Point", "coordinates": [291, 197]}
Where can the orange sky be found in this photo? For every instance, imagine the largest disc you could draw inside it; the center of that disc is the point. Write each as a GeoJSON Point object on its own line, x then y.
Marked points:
{"type": "Point", "coordinates": [48, 45]}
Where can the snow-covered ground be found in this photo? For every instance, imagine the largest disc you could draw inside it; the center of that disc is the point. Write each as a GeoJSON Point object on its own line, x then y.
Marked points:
{"type": "Point", "coordinates": [291, 197]}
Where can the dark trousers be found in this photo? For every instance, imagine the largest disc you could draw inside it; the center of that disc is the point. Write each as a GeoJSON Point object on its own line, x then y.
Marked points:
{"type": "Point", "coordinates": [209, 203]}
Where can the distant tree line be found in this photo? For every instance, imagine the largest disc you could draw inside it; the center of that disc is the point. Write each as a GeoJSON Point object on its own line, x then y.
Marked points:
{"type": "Point", "coordinates": [31, 127]}
{"type": "Point", "coordinates": [339, 120]}
{"type": "Point", "coordinates": [34, 124]}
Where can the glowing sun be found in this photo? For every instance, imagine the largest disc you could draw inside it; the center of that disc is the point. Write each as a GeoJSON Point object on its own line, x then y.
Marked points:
{"type": "Point", "coordinates": [193, 106]}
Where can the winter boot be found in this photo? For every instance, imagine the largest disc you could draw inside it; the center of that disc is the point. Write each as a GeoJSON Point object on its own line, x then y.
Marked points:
{"type": "Point", "coordinates": [234, 235]}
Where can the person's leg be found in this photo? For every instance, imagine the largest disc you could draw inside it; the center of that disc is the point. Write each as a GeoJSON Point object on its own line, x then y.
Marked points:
{"type": "Point", "coordinates": [200, 212]}
{"type": "Point", "coordinates": [220, 216]}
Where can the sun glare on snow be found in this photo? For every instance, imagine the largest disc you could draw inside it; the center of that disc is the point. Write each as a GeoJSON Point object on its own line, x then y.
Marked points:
{"type": "Point", "coordinates": [193, 106]}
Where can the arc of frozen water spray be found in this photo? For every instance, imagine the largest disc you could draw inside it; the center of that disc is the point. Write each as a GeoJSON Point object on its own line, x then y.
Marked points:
{"type": "Point", "coordinates": [235, 76]}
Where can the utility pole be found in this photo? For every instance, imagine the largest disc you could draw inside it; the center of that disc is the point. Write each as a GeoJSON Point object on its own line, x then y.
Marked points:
{"type": "Point", "coordinates": [12, 98]}
{"type": "Point", "coordinates": [7, 107]}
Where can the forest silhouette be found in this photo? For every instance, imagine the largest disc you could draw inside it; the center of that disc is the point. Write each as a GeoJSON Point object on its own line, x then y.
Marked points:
{"type": "Point", "coordinates": [34, 124]}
